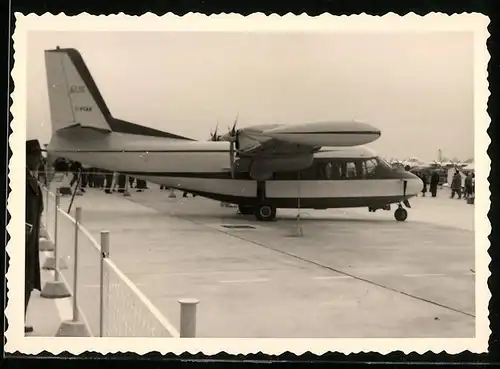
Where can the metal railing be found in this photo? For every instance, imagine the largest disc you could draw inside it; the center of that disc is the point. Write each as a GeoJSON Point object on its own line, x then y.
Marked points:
{"type": "Point", "coordinates": [104, 302]}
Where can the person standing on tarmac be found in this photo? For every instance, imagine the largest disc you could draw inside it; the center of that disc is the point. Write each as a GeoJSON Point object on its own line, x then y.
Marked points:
{"type": "Point", "coordinates": [456, 185]}
{"type": "Point", "coordinates": [423, 176]}
{"type": "Point", "coordinates": [434, 183]}
{"type": "Point", "coordinates": [121, 179]}
{"type": "Point", "coordinates": [468, 185]}
{"type": "Point", "coordinates": [141, 185]}
{"type": "Point", "coordinates": [34, 209]}
{"type": "Point", "coordinates": [76, 168]}
{"type": "Point", "coordinates": [84, 177]}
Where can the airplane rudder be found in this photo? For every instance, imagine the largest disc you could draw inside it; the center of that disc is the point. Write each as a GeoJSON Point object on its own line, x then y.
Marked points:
{"type": "Point", "coordinates": [74, 96]}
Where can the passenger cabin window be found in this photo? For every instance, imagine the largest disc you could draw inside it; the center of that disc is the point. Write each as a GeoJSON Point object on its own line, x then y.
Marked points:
{"type": "Point", "coordinates": [351, 171]}
{"type": "Point", "coordinates": [370, 167]}
{"type": "Point", "coordinates": [333, 169]}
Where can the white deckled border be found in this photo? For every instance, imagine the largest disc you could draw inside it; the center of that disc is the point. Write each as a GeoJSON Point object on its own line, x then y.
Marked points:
{"type": "Point", "coordinates": [475, 23]}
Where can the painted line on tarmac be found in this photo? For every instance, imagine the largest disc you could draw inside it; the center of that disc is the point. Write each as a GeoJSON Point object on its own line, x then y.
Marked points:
{"type": "Point", "coordinates": [437, 275]}
{"type": "Point", "coordinates": [245, 280]}
{"type": "Point", "coordinates": [327, 267]}
{"type": "Point", "coordinates": [113, 285]}
{"type": "Point", "coordinates": [416, 275]}
{"type": "Point", "coordinates": [333, 277]}
{"type": "Point", "coordinates": [373, 283]}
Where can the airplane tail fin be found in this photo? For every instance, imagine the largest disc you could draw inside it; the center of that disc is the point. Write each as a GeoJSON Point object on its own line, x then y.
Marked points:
{"type": "Point", "coordinates": [75, 100]}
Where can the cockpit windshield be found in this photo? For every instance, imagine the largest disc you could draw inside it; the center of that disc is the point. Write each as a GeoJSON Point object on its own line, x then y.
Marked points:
{"type": "Point", "coordinates": [384, 163]}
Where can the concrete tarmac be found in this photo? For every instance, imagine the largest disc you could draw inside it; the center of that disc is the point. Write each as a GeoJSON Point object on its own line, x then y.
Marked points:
{"type": "Point", "coordinates": [353, 274]}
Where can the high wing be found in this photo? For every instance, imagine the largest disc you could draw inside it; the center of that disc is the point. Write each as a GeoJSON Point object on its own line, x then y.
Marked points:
{"type": "Point", "coordinates": [265, 149]}
{"type": "Point", "coordinates": [276, 139]}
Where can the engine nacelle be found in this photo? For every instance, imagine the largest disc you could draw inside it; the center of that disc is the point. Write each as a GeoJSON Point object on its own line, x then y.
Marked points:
{"type": "Point", "coordinates": [245, 142]}
{"type": "Point", "coordinates": [263, 169]}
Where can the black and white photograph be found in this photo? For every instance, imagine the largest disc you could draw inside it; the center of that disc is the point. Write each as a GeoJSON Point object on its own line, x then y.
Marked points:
{"type": "Point", "coordinates": [249, 184]}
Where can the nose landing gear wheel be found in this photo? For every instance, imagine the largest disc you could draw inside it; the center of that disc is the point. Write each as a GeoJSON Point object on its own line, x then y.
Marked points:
{"type": "Point", "coordinates": [265, 212]}
{"type": "Point", "coordinates": [400, 214]}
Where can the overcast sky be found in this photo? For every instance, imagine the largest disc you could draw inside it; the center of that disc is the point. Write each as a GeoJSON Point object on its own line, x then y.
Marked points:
{"type": "Point", "coordinates": [417, 88]}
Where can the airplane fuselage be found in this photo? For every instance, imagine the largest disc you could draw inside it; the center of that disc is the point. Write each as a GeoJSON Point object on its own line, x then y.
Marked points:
{"type": "Point", "coordinates": [338, 177]}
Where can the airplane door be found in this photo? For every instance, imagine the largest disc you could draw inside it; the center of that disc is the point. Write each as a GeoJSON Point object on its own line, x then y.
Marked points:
{"type": "Point", "coordinates": [261, 190]}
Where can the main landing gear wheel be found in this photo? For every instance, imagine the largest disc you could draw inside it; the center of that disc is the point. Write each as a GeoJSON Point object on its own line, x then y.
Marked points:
{"type": "Point", "coordinates": [400, 214]}
{"type": "Point", "coordinates": [245, 209]}
{"type": "Point", "coordinates": [265, 212]}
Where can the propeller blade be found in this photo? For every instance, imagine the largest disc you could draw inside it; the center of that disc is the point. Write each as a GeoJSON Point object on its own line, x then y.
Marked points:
{"type": "Point", "coordinates": [233, 130]}
{"type": "Point", "coordinates": [213, 133]}
{"type": "Point", "coordinates": [231, 158]}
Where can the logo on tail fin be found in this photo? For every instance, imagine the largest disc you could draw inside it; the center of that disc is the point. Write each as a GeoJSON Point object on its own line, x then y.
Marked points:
{"type": "Point", "coordinates": [74, 89]}
{"type": "Point", "coordinates": [73, 95]}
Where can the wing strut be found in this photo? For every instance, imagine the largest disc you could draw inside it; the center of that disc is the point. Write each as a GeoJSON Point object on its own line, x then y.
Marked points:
{"type": "Point", "coordinates": [299, 225]}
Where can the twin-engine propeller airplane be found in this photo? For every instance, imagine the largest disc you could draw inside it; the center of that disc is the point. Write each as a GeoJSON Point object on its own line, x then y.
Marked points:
{"type": "Point", "coordinates": [316, 165]}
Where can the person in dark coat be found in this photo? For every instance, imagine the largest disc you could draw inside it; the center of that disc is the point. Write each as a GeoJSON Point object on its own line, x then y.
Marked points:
{"type": "Point", "coordinates": [76, 168]}
{"type": "Point", "coordinates": [434, 183]}
{"type": "Point", "coordinates": [42, 169]}
{"type": "Point", "coordinates": [423, 176]}
{"type": "Point", "coordinates": [122, 178]}
{"type": "Point", "coordinates": [84, 181]}
{"type": "Point", "coordinates": [34, 209]}
{"type": "Point", "coordinates": [91, 178]}
{"type": "Point", "coordinates": [61, 165]}
{"type": "Point", "coordinates": [456, 185]}
{"type": "Point", "coordinates": [141, 185]}
{"type": "Point", "coordinates": [468, 185]}
{"type": "Point", "coordinates": [100, 177]}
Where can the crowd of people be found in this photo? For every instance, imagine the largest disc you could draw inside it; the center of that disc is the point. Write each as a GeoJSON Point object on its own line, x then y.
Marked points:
{"type": "Point", "coordinates": [462, 185]}
{"type": "Point", "coordinates": [91, 177]}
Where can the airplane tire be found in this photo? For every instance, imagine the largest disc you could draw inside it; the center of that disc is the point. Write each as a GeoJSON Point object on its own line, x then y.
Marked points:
{"type": "Point", "coordinates": [265, 212]}
{"type": "Point", "coordinates": [400, 214]}
{"type": "Point", "coordinates": [245, 209]}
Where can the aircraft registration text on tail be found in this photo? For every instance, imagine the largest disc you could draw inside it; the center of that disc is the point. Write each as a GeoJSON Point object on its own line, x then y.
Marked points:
{"type": "Point", "coordinates": [261, 168]}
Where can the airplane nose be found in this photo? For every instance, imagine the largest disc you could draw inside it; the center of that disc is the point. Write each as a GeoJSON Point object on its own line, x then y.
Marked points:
{"type": "Point", "coordinates": [414, 184]}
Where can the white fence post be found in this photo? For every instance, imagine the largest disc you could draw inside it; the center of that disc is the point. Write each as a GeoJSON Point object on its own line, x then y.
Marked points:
{"type": "Point", "coordinates": [52, 262]}
{"type": "Point", "coordinates": [188, 318]}
{"type": "Point", "coordinates": [75, 327]}
{"type": "Point", "coordinates": [104, 255]}
{"type": "Point", "coordinates": [45, 243]}
{"type": "Point", "coordinates": [56, 288]}
{"type": "Point", "coordinates": [46, 222]}
{"type": "Point", "coordinates": [78, 217]}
